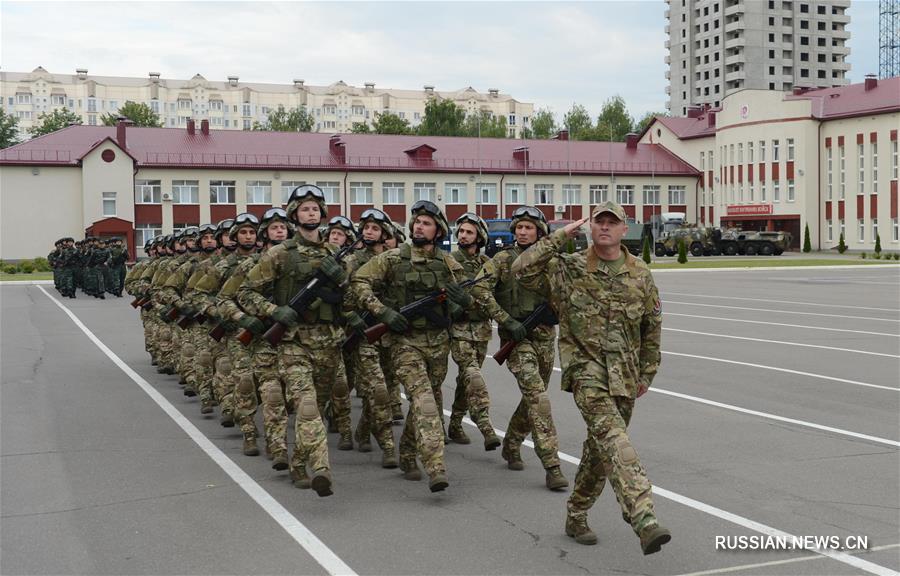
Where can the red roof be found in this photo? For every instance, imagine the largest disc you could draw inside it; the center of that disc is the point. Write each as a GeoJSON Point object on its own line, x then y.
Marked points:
{"type": "Point", "coordinates": [687, 128]}
{"type": "Point", "coordinates": [853, 100]}
{"type": "Point", "coordinates": [174, 147]}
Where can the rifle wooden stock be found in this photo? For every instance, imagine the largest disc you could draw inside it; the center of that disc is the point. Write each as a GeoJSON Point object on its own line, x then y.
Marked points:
{"type": "Point", "coordinates": [136, 303]}
{"type": "Point", "coordinates": [217, 332]}
{"type": "Point", "coordinates": [147, 304]}
{"type": "Point", "coordinates": [275, 333]}
{"type": "Point", "coordinates": [245, 337]}
{"type": "Point", "coordinates": [505, 350]}
{"type": "Point", "coordinates": [184, 322]}
{"type": "Point", "coordinates": [199, 318]}
{"type": "Point", "coordinates": [375, 333]}
{"type": "Point", "coordinates": [172, 314]}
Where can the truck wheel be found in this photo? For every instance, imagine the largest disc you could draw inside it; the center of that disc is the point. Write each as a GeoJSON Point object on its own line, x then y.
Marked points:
{"type": "Point", "coordinates": [659, 250]}
{"type": "Point", "coordinates": [767, 249]}
{"type": "Point", "coordinates": [670, 252]}
{"type": "Point", "coordinates": [696, 249]}
{"type": "Point", "coordinates": [729, 250]}
{"type": "Point", "coordinates": [750, 250]}
{"type": "Point", "coordinates": [715, 251]}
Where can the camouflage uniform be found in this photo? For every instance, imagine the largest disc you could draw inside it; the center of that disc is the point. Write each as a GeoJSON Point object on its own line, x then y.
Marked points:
{"type": "Point", "coordinates": [67, 260]}
{"type": "Point", "coordinates": [310, 351]}
{"type": "Point", "coordinates": [531, 362]}
{"type": "Point", "coordinates": [469, 337]}
{"type": "Point", "coordinates": [419, 356]}
{"type": "Point", "coordinates": [166, 338]}
{"type": "Point", "coordinates": [610, 326]}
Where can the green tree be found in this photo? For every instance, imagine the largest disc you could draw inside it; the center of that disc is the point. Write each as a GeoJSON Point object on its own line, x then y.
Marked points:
{"type": "Point", "coordinates": [9, 129]}
{"type": "Point", "coordinates": [56, 120]}
{"type": "Point", "coordinates": [645, 249]}
{"type": "Point", "coordinates": [140, 114]}
{"type": "Point", "coordinates": [442, 118]}
{"type": "Point", "coordinates": [390, 123]}
{"type": "Point", "coordinates": [360, 128]}
{"type": "Point", "coordinates": [486, 125]}
{"type": "Point", "coordinates": [578, 122]}
{"type": "Point", "coordinates": [877, 243]}
{"type": "Point", "coordinates": [842, 246]}
{"type": "Point", "coordinates": [682, 251]}
{"type": "Point", "coordinates": [807, 245]}
{"type": "Point", "coordinates": [614, 122]}
{"type": "Point", "coordinates": [543, 125]}
{"type": "Point", "coordinates": [646, 119]}
{"type": "Point", "coordinates": [281, 120]}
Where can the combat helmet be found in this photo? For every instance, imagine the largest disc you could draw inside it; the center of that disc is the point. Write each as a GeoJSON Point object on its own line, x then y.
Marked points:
{"type": "Point", "coordinates": [530, 214]}
{"type": "Point", "coordinates": [480, 227]}
{"type": "Point", "coordinates": [429, 208]}
{"type": "Point", "coordinates": [301, 194]}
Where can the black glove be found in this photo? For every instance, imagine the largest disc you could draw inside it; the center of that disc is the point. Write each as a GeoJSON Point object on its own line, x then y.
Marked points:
{"type": "Point", "coordinates": [356, 323]}
{"type": "Point", "coordinates": [285, 315]}
{"type": "Point", "coordinates": [333, 270]}
{"type": "Point", "coordinates": [396, 321]}
{"type": "Point", "coordinates": [458, 294]}
{"type": "Point", "coordinates": [252, 323]}
{"type": "Point", "coordinates": [187, 310]}
{"type": "Point", "coordinates": [515, 328]}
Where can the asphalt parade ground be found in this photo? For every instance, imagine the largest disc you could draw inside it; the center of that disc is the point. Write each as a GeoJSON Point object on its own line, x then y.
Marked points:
{"type": "Point", "coordinates": [776, 413]}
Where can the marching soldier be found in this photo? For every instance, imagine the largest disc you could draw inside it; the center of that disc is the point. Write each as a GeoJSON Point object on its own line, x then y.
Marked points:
{"type": "Point", "coordinates": [610, 326]}
{"type": "Point", "coordinates": [503, 298]}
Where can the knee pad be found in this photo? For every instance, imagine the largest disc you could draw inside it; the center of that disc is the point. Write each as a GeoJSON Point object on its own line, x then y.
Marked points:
{"type": "Point", "coordinates": [380, 394]}
{"type": "Point", "coordinates": [341, 389]}
{"type": "Point", "coordinates": [429, 406]}
{"type": "Point", "coordinates": [626, 451]}
{"type": "Point", "coordinates": [187, 351]}
{"type": "Point", "coordinates": [543, 404]}
{"type": "Point", "coordinates": [245, 385]}
{"type": "Point", "coordinates": [308, 408]}
{"type": "Point", "coordinates": [164, 334]}
{"type": "Point", "coordinates": [223, 366]}
{"type": "Point", "coordinates": [475, 381]}
{"type": "Point", "coordinates": [204, 358]}
{"type": "Point", "coordinates": [272, 396]}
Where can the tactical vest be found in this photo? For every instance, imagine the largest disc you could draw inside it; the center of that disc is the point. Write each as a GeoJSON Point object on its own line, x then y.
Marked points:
{"type": "Point", "coordinates": [299, 269]}
{"type": "Point", "coordinates": [517, 300]}
{"type": "Point", "coordinates": [472, 267]}
{"type": "Point", "coordinates": [416, 280]}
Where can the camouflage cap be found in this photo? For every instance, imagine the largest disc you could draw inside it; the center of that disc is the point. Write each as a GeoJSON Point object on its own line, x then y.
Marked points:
{"type": "Point", "coordinates": [611, 207]}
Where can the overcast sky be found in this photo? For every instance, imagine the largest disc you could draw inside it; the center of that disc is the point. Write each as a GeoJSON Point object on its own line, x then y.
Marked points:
{"type": "Point", "coordinates": [548, 53]}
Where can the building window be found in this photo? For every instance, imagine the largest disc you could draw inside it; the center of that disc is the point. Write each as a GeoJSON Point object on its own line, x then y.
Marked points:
{"type": "Point", "coordinates": [762, 191]}
{"type": "Point", "coordinates": [259, 192]}
{"type": "Point", "coordinates": [762, 150]}
{"type": "Point", "coordinates": [751, 191]}
{"type": "Point", "coordinates": [829, 172]}
{"type": "Point", "coordinates": [154, 106]}
{"type": "Point", "coordinates": [874, 167]}
{"type": "Point", "coordinates": [147, 192]}
{"type": "Point", "coordinates": [731, 153]}
{"type": "Point", "coordinates": [486, 194]}
{"type": "Point", "coordinates": [58, 99]}
{"type": "Point", "coordinates": [874, 229]}
{"type": "Point", "coordinates": [894, 159]}
{"type": "Point", "coordinates": [776, 191]}
{"type": "Point", "coordinates": [571, 194]}
{"type": "Point", "coordinates": [393, 193]}
{"type": "Point", "coordinates": [456, 193]}
{"type": "Point", "coordinates": [332, 191]}
{"type": "Point", "coordinates": [92, 119]}
{"type": "Point", "coordinates": [23, 98]}
{"type": "Point", "coordinates": [702, 161]}
{"type": "Point", "coordinates": [287, 186]}
{"type": "Point", "coordinates": [146, 232]}
{"type": "Point", "coordinates": [861, 228]}
{"type": "Point", "coordinates": [360, 192]}
{"type": "Point", "coordinates": [843, 228]}
{"type": "Point", "coordinates": [843, 162]}
{"type": "Point", "coordinates": [109, 203]}
{"type": "Point", "coordinates": [790, 190]}
{"type": "Point", "coordinates": [330, 110]}
{"type": "Point", "coordinates": [246, 124]}
{"type": "Point", "coordinates": [598, 193]}
{"type": "Point", "coordinates": [625, 194]}
{"type": "Point", "coordinates": [216, 105]}
{"type": "Point", "coordinates": [750, 152]}
{"type": "Point", "coordinates": [740, 153]}
{"type": "Point", "coordinates": [790, 148]}
{"type": "Point", "coordinates": [775, 146]}
{"type": "Point", "coordinates": [245, 110]}
{"type": "Point", "coordinates": [221, 191]}
{"type": "Point", "coordinates": [676, 195]}
{"type": "Point", "coordinates": [515, 193]}
{"type": "Point", "coordinates": [861, 162]}
{"type": "Point", "coordinates": [895, 231]}
{"type": "Point", "coordinates": [650, 194]}
{"type": "Point", "coordinates": [543, 194]}
{"type": "Point", "coordinates": [186, 191]}
{"type": "Point", "coordinates": [830, 228]}
{"type": "Point", "coordinates": [424, 191]}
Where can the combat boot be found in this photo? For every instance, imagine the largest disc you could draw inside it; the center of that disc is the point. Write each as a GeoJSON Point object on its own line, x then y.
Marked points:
{"type": "Point", "coordinates": [653, 537]}
{"type": "Point", "coordinates": [491, 440]}
{"type": "Point", "coordinates": [279, 460]}
{"type": "Point", "coordinates": [269, 454]}
{"type": "Point", "coordinates": [456, 433]}
{"type": "Point", "coordinates": [364, 444]}
{"type": "Point", "coordinates": [227, 420]}
{"type": "Point", "coordinates": [579, 530]}
{"type": "Point", "coordinates": [206, 407]}
{"type": "Point", "coordinates": [397, 416]}
{"type": "Point", "coordinates": [388, 458]}
{"type": "Point", "coordinates": [555, 479]}
{"type": "Point", "coordinates": [299, 478]}
{"type": "Point", "coordinates": [346, 442]}
{"type": "Point", "coordinates": [250, 447]}
{"type": "Point", "coordinates": [321, 482]}
{"type": "Point", "coordinates": [438, 482]}
{"type": "Point", "coordinates": [512, 456]}
{"type": "Point", "coordinates": [410, 470]}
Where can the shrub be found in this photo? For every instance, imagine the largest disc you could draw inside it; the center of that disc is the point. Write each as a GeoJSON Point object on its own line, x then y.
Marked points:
{"type": "Point", "coordinates": [897, 256]}
{"type": "Point", "coordinates": [41, 264]}
{"type": "Point", "coordinates": [863, 255]}
{"type": "Point", "coordinates": [10, 268]}
{"type": "Point", "coordinates": [877, 255]}
{"type": "Point", "coordinates": [682, 252]}
{"type": "Point", "coordinates": [842, 246]}
{"type": "Point", "coordinates": [26, 266]}
{"type": "Point", "coordinates": [807, 245]}
{"type": "Point", "coordinates": [877, 243]}
{"type": "Point", "coordinates": [645, 250]}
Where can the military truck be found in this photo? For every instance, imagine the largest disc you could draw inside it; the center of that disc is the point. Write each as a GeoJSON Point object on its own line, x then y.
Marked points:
{"type": "Point", "coordinates": [499, 236]}
{"type": "Point", "coordinates": [634, 237]}
{"type": "Point", "coordinates": [699, 242]}
{"type": "Point", "coordinates": [747, 243]}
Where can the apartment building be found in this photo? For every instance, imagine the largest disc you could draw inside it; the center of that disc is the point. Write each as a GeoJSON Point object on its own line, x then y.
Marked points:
{"type": "Point", "coordinates": [233, 104]}
{"type": "Point", "coordinates": [717, 47]}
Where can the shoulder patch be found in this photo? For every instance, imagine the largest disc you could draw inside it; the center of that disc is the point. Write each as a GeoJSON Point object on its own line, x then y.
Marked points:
{"type": "Point", "coordinates": [657, 308]}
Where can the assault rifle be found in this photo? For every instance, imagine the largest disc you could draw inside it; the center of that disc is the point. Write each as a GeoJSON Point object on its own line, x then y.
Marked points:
{"type": "Point", "coordinates": [543, 314]}
{"type": "Point", "coordinates": [304, 297]}
{"type": "Point", "coordinates": [418, 308]}
{"type": "Point", "coordinates": [353, 339]}
{"type": "Point", "coordinates": [188, 319]}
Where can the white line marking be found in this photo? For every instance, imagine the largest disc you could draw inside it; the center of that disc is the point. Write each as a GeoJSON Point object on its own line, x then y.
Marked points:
{"type": "Point", "coordinates": [785, 370]}
{"type": "Point", "coordinates": [785, 325]}
{"type": "Point", "coordinates": [783, 302]}
{"type": "Point", "coordinates": [300, 533]}
{"type": "Point", "coordinates": [729, 336]}
{"type": "Point", "coordinates": [778, 268]}
{"type": "Point", "coordinates": [787, 561]}
{"type": "Point", "coordinates": [842, 557]}
{"type": "Point", "coordinates": [782, 311]}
